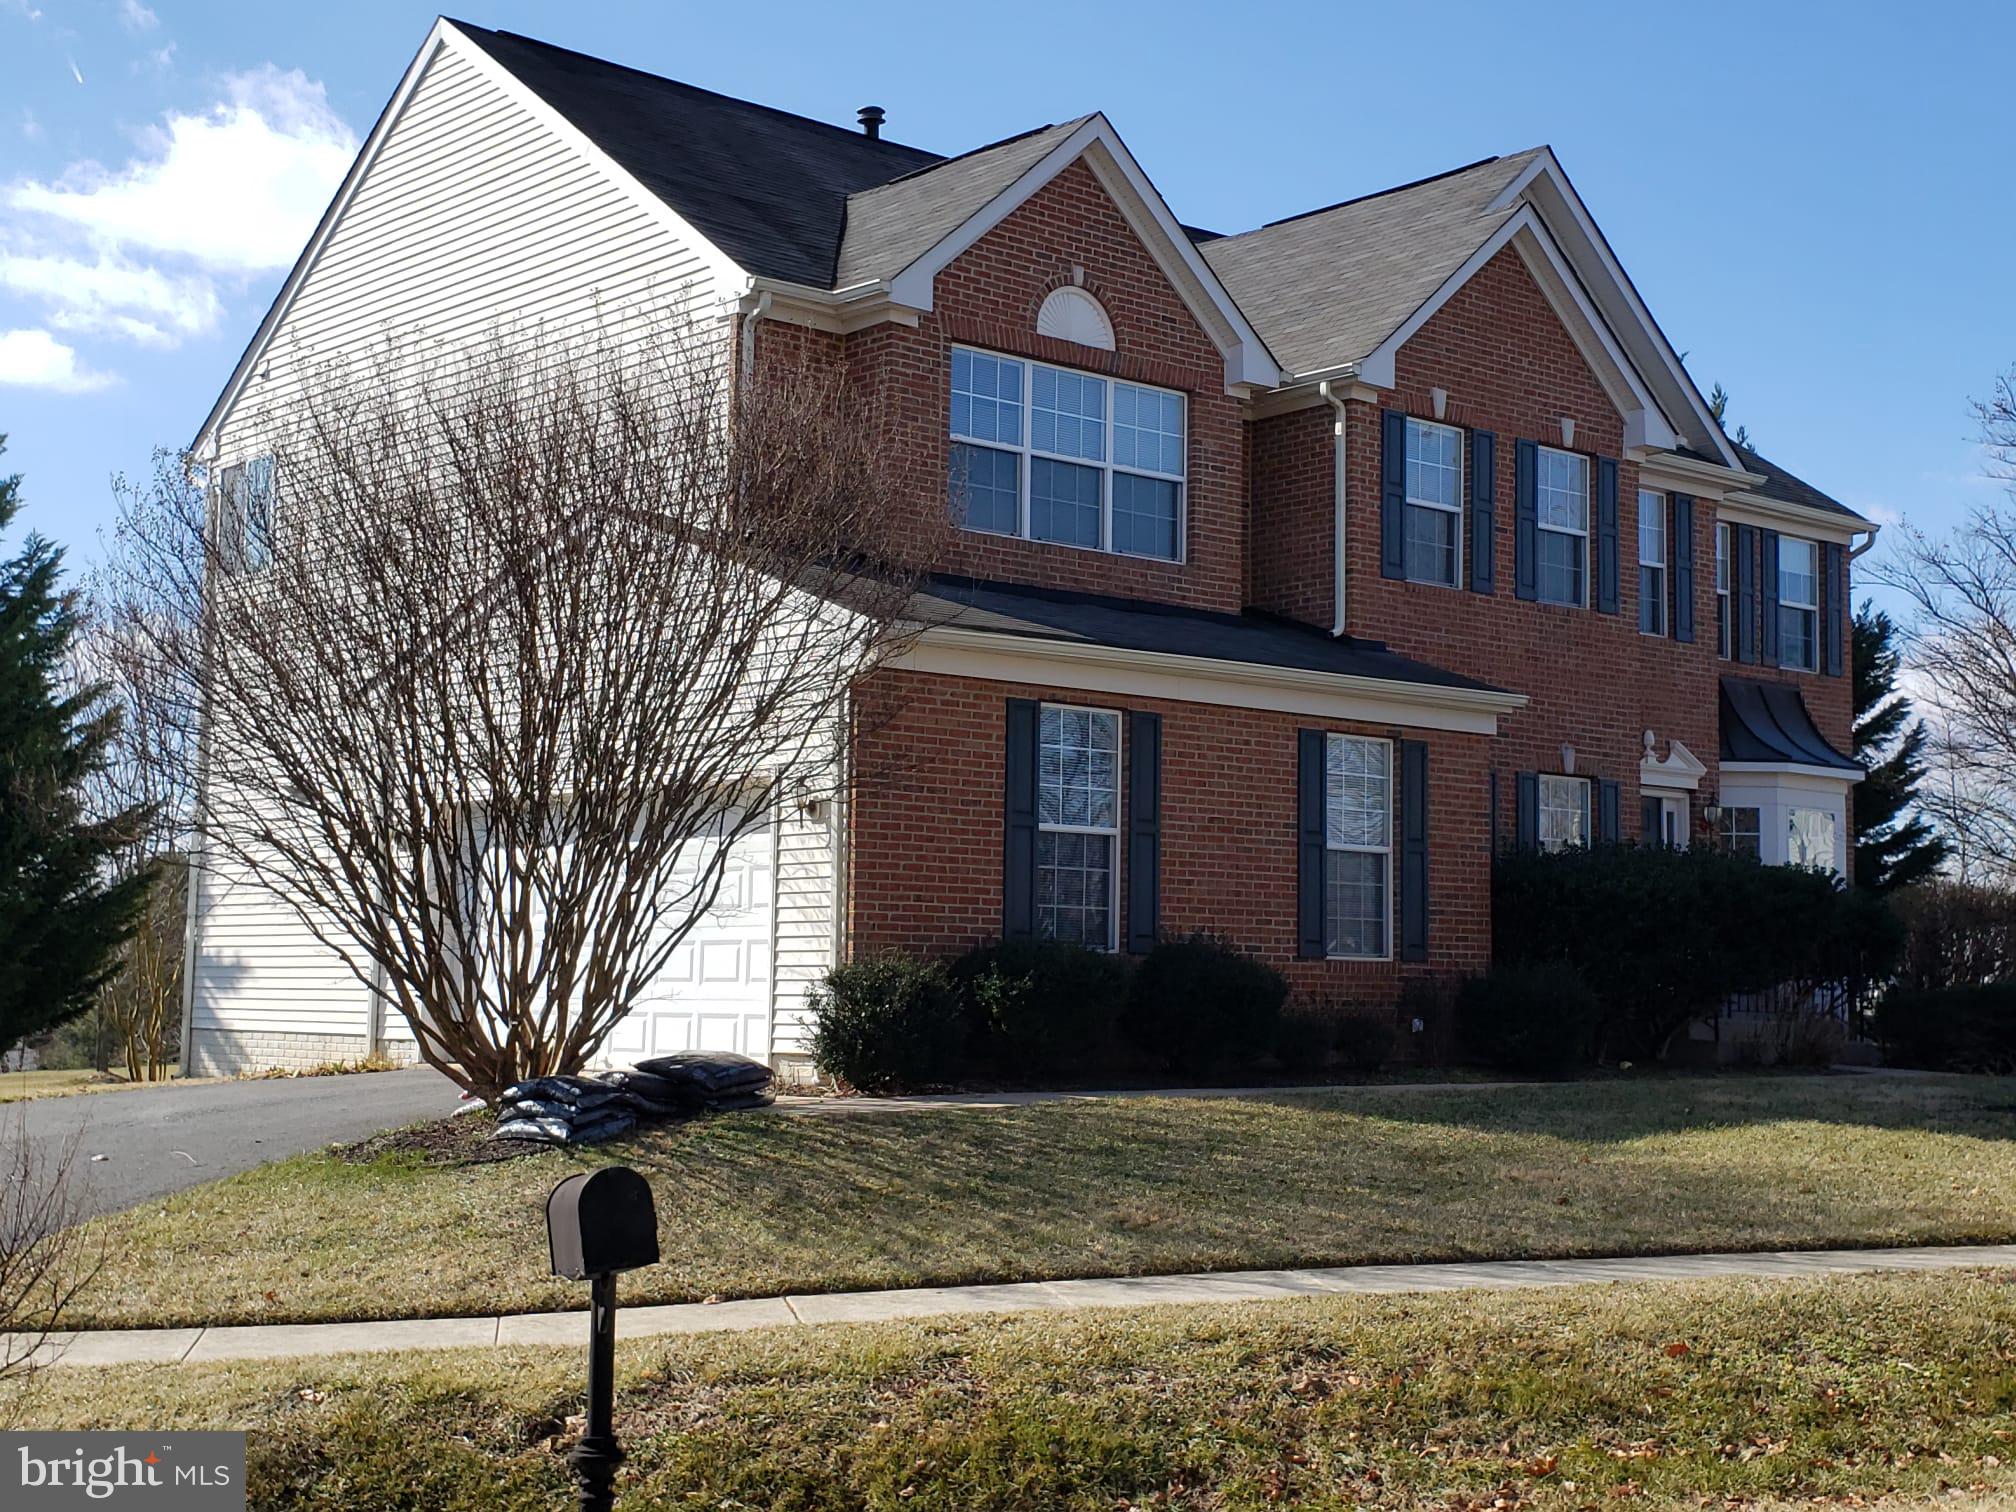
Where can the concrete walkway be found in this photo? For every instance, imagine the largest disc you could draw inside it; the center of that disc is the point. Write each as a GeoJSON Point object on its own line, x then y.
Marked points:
{"type": "Point", "coordinates": [280, 1341]}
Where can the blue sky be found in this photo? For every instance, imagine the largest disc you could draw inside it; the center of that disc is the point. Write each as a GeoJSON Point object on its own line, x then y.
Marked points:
{"type": "Point", "coordinates": [1812, 198]}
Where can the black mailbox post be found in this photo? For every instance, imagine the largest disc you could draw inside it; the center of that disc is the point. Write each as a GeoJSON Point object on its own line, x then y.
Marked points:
{"type": "Point", "coordinates": [597, 1224]}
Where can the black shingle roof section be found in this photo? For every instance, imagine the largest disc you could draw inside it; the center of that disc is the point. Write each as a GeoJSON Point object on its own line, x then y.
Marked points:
{"type": "Point", "coordinates": [767, 187]}
{"type": "Point", "coordinates": [1769, 721]}
{"type": "Point", "coordinates": [1140, 625]}
{"type": "Point", "coordinates": [1786, 488]}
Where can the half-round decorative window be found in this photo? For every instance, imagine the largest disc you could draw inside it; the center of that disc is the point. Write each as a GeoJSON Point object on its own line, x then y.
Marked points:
{"type": "Point", "coordinates": [1075, 316]}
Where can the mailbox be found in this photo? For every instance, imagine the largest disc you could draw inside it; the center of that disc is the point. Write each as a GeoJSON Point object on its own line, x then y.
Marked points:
{"type": "Point", "coordinates": [601, 1222]}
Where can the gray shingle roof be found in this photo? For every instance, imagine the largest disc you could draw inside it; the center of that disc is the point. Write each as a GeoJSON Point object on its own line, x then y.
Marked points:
{"type": "Point", "coordinates": [1786, 488]}
{"type": "Point", "coordinates": [1140, 625]}
{"type": "Point", "coordinates": [767, 187]}
{"type": "Point", "coordinates": [891, 225]}
{"type": "Point", "coordinates": [1326, 288]}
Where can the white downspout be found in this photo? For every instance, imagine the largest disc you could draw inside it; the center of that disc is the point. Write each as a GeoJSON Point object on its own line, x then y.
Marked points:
{"type": "Point", "coordinates": [750, 316]}
{"type": "Point", "coordinates": [1337, 626]}
{"type": "Point", "coordinates": [1856, 551]}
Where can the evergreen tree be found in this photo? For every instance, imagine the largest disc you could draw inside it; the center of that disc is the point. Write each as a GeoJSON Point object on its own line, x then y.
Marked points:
{"type": "Point", "coordinates": [62, 917]}
{"type": "Point", "coordinates": [1718, 406]}
{"type": "Point", "coordinates": [1894, 846]}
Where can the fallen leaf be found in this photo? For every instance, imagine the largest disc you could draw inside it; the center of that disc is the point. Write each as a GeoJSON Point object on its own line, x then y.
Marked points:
{"type": "Point", "coordinates": [1677, 1348]}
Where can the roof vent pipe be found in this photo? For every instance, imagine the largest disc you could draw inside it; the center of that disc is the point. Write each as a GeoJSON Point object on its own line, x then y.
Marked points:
{"type": "Point", "coordinates": [872, 117]}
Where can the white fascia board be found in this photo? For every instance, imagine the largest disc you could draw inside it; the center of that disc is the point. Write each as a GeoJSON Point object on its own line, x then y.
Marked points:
{"type": "Point", "coordinates": [1543, 184]}
{"type": "Point", "coordinates": [1760, 769]}
{"type": "Point", "coordinates": [445, 34]}
{"type": "Point", "coordinates": [1247, 360]}
{"type": "Point", "coordinates": [1776, 514]}
{"type": "Point", "coordinates": [955, 652]}
{"type": "Point", "coordinates": [1645, 424]}
{"type": "Point", "coordinates": [1711, 480]}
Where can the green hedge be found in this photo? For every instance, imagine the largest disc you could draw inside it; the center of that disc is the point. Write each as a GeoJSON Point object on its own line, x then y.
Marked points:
{"type": "Point", "coordinates": [1664, 936]}
{"type": "Point", "coordinates": [1036, 1007]}
{"type": "Point", "coordinates": [1540, 1017]}
{"type": "Point", "coordinates": [1950, 1028]}
{"type": "Point", "coordinates": [890, 1024]}
{"type": "Point", "coordinates": [1202, 1004]}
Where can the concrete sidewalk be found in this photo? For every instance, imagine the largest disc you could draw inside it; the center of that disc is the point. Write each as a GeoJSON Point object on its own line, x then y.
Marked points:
{"type": "Point", "coordinates": [279, 1341]}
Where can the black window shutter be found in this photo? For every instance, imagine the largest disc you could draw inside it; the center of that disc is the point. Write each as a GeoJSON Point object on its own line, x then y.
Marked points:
{"type": "Point", "coordinates": [1018, 849]}
{"type": "Point", "coordinates": [1606, 535]}
{"type": "Point", "coordinates": [1529, 810]}
{"type": "Point", "coordinates": [1393, 496]}
{"type": "Point", "coordinates": [1680, 547]}
{"type": "Point", "coordinates": [1743, 541]}
{"type": "Point", "coordinates": [1609, 816]}
{"type": "Point", "coordinates": [1833, 602]}
{"type": "Point", "coordinates": [1310, 836]}
{"type": "Point", "coordinates": [1525, 519]}
{"type": "Point", "coordinates": [1483, 510]}
{"type": "Point", "coordinates": [1767, 592]}
{"type": "Point", "coordinates": [1413, 850]}
{"type": "Point", "coordinates": [1144, 830]}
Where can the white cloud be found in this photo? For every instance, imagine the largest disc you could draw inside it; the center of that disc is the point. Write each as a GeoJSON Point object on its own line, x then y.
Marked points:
{"type": "Point", "coordinates": [31, 127]}
{"type": "Point", "coordinates": [136, 17]}
{"type": "Point", "coordinates": [35, 359]}
{"type": "Point", "coordinates": [236, 189]}
{"type": "Point", "coordinates": [110, 296]}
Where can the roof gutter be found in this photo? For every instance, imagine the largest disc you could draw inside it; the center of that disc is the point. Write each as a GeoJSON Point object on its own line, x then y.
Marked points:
{"type": "Point", "coordinates": [1337, 563]}
{"type": "Point", "coordinates": [1856, 551]}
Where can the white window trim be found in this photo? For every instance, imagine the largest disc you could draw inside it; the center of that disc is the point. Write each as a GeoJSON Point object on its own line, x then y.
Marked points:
{"type": "Point", "coordinates": [1119, 798]}
{"type": "Point", "coordinates": [1105, 466]}
{"type": "Point", "coordinates": [1456, 509]}
{"type": "Point", "coordinates": [1385, 850]}
{"type": "Point", "coordinates": [1588, 506]}
{"type": "Point", "coordinates": [1541, 806]}
{"type": "Point", "coordinates": [1663, 566]}
{"type": "Point", "coordinates": [229, 497]}
{"type": "Point", "coordinates": [1813, 608]}
{"type": "Point", "coordinates": [1725, 604]}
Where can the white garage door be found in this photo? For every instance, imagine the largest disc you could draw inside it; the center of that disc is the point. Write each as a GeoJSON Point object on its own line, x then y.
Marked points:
{"type": "Point", "coordinates": [714, 992]}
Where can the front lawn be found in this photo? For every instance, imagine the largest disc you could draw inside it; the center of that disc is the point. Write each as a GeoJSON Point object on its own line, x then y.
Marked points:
{"type": "Point", "coordinates": [1705, 1394]}
{"type": "Point", "coordinates": [754, 1205]}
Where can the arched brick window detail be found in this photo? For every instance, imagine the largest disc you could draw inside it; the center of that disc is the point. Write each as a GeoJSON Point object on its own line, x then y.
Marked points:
{"type": "Point", "coordinates": [1071, 314]}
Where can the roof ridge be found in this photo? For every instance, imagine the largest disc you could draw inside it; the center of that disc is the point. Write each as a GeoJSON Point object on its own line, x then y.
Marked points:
{"type": "Point", "coordinates": [1379, 193]}
{"type": "Point", "coordinates": [958, 157]}
{"type": "Point", "coordinates": [699, 89]}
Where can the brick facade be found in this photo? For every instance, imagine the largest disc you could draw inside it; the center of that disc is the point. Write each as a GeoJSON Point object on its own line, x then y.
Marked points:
{"type": "Point", "coordinates": [1507, 365]}
{"type": "Point", "coordinates": [925, 853]}
{"type": "Point", "coordinates": [927, 821]}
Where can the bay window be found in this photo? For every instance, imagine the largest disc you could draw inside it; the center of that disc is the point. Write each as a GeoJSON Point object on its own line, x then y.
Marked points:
{"type": "Point", "coordinates": [1049, 454]}
{"type": "Point", "coordinates": [1358, 846]}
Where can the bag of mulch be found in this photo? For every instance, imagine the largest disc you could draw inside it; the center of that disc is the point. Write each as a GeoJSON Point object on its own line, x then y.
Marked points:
{"type": "Point", "coordinates": [647, 1093]}
{"type": "Point", "coordinates": [736, 1102]}
{"type": "Point", "coordinates": [711, 1073]}
{"type": "Point", "coordinates": [544, 1129]}
{"type": "Point", "coordinates": [574, 1091]}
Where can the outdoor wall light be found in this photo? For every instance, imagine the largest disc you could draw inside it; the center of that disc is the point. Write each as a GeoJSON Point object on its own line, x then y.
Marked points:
{"type": "Point", "coordinates": [598, 1224]}
{"type": "Point", "coordinates": [1712, 813]}
{"type": "Point", "coordinates": [1568, 760]}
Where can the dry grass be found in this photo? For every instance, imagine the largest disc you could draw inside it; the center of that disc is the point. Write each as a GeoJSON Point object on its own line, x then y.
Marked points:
{"type": "Point", "coordinates": [20, 1086]}
{"type": "Point", "coordinates": [1725, 1393]}
{"type": "Point", "coordinates": [758, 1204]}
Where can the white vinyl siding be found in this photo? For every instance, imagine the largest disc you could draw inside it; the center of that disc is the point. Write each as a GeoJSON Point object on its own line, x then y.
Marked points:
{"type": "Point", "coordinates": [1434, 507]}
{"type": "Point", "coordinates": [475, 219]}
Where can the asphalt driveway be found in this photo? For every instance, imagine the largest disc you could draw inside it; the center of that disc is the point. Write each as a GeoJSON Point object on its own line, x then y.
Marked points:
{"type": "Point", "coordinates": [158, 1140]}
